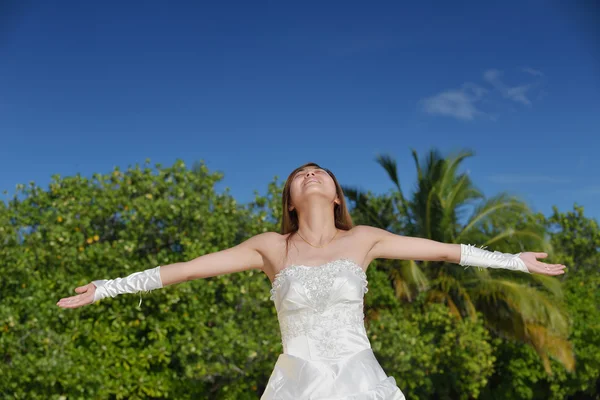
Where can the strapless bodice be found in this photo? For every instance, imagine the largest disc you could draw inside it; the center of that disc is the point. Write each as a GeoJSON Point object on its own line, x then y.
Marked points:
{"type": "Point", "coordinates": [320, 309]}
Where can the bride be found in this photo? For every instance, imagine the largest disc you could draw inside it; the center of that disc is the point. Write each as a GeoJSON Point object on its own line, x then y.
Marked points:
{"type": "Point", "coordinates": [317, 269]}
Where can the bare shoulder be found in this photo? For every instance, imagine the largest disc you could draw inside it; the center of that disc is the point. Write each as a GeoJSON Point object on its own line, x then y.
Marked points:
{"type": "Point", "coordinates": [265, 242]}
{"type": "Point", "coordinates": [366, 232]}
{"type": "Point", "coordinates": [266, 238]}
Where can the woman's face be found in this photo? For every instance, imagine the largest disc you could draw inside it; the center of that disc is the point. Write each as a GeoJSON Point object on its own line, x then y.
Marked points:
{"type": "Point", "coordinates": [311, 181]}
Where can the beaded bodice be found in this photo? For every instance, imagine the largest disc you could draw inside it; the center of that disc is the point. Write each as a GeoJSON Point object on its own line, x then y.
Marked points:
{"type": "Point", "coordinates": [320, 309]}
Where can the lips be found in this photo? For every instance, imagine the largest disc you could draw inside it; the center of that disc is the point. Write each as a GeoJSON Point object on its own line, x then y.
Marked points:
{"type": "Point", "coordinates": [310, 180]}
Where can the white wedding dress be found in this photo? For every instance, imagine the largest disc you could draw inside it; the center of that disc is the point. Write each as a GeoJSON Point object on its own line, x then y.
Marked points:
{"type": "Point", "coordinates": [326, 352]}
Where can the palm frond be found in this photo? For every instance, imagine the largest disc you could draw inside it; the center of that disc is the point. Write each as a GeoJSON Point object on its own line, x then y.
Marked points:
{"type": "Point", "coordinates": [455, 288]}
{"type": "Point", "coordinates": [429, 208]}
{"type": "Point", "coordinates": [417, 164]}
{"type": "Point", "coordinates": [415, 275]}
{"type": "Point", "coordinates": [546, 344]}
{"type": "Point", "coordinates": [409, 279]}
{"type": "Point", "coordinates": [451, 167]}
{"type": "Point", "coordinates": [361, 201]}
{"type": "Point", "coordinates": [550, 284]}
{"type": "Point", "coordinates": [390, 166]}
{"type": "Point", "coordinates": [488, 208]}
{"type": "Point", "coordinates": [518, 306]}
{"type": "Point", "coordinates": [509, 233]}
{"type": "Point", "coordinates": [442, 297]}
{"type": "Point", "coordinates": [531, 304]}
{"type": "Point", "coordinates": [460, 192]}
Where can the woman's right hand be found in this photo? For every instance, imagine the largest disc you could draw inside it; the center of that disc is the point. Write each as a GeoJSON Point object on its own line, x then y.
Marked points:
{"type": "Point", "coordinates": [85, 297]}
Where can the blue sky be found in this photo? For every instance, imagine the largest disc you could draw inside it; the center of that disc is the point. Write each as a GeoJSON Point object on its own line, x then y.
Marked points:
{"type": "Point", "coordinates": [257, 88]}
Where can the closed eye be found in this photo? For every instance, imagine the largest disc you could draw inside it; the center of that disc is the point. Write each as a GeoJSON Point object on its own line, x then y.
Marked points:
{"type": "Point", "coordinates": [299, 173]}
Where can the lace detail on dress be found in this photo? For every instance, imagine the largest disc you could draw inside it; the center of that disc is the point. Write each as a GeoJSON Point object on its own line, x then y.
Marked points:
{"type": "Point", "coordinates": [318, 284]}
{"type": "Point", "coordinates": [324, 322]}
{"type": "Point", "coordinates": [324, 327]}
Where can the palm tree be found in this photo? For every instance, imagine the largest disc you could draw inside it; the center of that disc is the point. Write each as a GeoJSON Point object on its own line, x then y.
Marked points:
{"type": "Point", "coordinates": [447, 207]}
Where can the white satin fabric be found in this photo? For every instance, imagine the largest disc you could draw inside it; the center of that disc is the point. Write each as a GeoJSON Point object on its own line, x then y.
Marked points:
{"type": "Point", "coordinates": [137, 282]}
{"type": "Point", "coordinates": [326, 352]}
{"type": "Point", "coordinates": [476, 257]}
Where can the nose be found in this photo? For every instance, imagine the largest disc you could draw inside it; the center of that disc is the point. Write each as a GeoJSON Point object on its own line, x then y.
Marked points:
{"type": "Point", "coordinates": [310, 174]}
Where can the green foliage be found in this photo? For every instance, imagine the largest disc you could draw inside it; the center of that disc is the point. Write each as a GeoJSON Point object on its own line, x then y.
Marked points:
{"type": "Point", "coordinates": [518, 374]}
{"type": "Point", "coordinates": [212, 338]}
{"type": "Point", "coordinates": [218, 338]}
{"type": "Point", "coordinates": [422, 345]}
{"type": "Point", "coordinates": [577, 237]}
{"type": "Point", "coordinates": [447, 207]}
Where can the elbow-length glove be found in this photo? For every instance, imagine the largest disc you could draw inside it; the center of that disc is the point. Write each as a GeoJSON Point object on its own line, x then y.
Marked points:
{"type": "Point", "coordinates": [476, 257]}
{"type": "Point", "coordinates": [139, 281]}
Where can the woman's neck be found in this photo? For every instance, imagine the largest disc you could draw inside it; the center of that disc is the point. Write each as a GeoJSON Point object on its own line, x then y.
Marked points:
{"type": "Point", "coordinates": [317, 227]}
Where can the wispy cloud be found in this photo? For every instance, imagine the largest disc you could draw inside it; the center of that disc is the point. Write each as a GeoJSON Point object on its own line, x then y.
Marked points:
{"type": "Point", "coordinates": [457, 103]}
{"type": "Point", "coordinates": [465, 103]}
{"type": "Point", "coordinates": [508, 178]}
{"type": "Point", "coordinates": [532, 71]}
{"type": "Point", "coordinates": [514, 93]}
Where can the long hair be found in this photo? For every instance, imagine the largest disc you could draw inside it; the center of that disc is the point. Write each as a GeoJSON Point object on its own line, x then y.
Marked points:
{"type": "Point", "coordinates": [289, 219]}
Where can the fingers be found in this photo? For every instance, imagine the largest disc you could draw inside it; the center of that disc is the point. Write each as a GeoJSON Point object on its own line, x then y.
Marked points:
{"type": "Point", "coordinates": [556, 266]}
{"type": "Point", "coordinates": [84, 297]}
{"type": "Point", "coordinates": [74, 301]}
{"type": "Point", "coordinates": [540, 255]}
{"type": "Point", "coordinates": [69, 304]}
{"type": "Point", "coordinates": [550, 269]}
{"type": "Point", "coordinates": [555, 271]}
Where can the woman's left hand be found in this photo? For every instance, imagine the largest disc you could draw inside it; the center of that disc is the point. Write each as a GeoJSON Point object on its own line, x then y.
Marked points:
{"type": "Point", "coordinates": [536, 267]}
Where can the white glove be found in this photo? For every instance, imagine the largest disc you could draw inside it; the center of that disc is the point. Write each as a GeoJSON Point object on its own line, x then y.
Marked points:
{"type": "Point", "coordinates": [476, 257]}
{"type": "Point", "coordinates": [145, 280]}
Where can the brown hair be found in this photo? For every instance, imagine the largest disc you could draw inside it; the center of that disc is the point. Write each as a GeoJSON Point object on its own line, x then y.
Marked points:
{"type": "Point", "coordinates": [289, 219]}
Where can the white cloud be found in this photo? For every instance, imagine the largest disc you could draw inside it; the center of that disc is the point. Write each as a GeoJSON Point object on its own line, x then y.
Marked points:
{"type": "Point", "coordinates": [457, 103]}
{"type": "Point", "coordinates": [465, 103]}
{"type": "Point", "coordinates": [515, 93]}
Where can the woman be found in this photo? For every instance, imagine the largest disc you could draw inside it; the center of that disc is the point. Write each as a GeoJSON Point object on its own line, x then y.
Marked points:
{"type": "Point", "coordinates": [317, 268]}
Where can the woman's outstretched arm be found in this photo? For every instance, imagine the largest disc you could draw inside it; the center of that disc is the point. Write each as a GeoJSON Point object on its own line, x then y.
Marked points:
{"type": "Point", "coordinates": [245, 256]}
{"type": "Point", "coordinates": [385, 244]}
